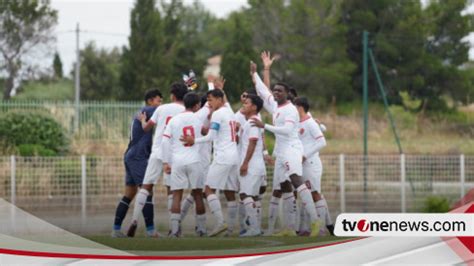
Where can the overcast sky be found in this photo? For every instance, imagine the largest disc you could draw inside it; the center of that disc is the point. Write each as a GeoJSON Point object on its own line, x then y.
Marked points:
{"type": "Point", "coordinates": [107, 23]}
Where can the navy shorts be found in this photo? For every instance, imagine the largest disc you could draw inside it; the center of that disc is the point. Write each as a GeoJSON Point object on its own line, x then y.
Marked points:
{"type": "Point", "coordinates": [135, 172]}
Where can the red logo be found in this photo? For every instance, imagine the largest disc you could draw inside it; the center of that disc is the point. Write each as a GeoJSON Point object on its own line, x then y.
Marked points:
{"type": "Point", "coordinates": [363, 225]}
{"type": "Point", "coordinates": [301, 131]}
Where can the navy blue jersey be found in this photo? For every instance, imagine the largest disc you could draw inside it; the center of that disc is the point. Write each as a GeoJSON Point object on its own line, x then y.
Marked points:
{"type": "Point", "coordinates": [139, 145]}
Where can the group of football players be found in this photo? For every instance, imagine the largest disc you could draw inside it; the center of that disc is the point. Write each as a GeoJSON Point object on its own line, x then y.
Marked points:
{"type": "Point", "coordinates": [201, 146]}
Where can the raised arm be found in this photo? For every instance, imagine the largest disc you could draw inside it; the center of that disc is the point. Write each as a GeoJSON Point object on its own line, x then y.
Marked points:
{"type": "Point", "coordinates": [263, 91]}
{"type": "Point", "coordinates": [267, 64]}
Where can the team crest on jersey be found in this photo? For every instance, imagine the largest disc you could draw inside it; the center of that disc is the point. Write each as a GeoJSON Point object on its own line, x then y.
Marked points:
{"type": "Point", "coordinates": [301, 131]}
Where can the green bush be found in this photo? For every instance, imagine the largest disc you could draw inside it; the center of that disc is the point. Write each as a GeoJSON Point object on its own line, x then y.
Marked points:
{"type": "Point", "coordinates": [34, 150]}
{"type": "Point", "coordinates": [33, 129]}
{"type": "Point", "coordinates": [436, 204]}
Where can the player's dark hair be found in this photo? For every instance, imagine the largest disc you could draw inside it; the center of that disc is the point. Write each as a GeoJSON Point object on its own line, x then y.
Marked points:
{"type": "Point", "coordinates": [178, 90]}
{"type": "Point", "coordinates": [293, 92]}
{"type": "Point", "coordinates": [257, 101]}
{"type": "Point", "coordinates": [251, 91]}
{"type": "Point", "coordinates": [303, 102]}
{"type": "Point", "coordinates": [191, 99]}
{"type": "Point", "coordinates": [284, 85]}
{"type": "Point", "coordinates": [203, 100]}
{"type": "Point", "coordinates": [216, 93]}
{"type": "Point", "coordinates": [150, 94]}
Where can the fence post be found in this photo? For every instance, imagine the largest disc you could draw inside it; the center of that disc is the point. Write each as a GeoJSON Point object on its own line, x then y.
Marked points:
{"type": "Point", "coordinates": [342, 185]}
{"type": "Point", "coordinates": [83, 191]}
{"type": "Point", "coordinates": [13, 191]}
{"type": "Point", "coordinates": [462, 176]}
{"type": "Point", "coordinates": [402, 183]}
{"type": "Point", "coordinates": [12, 180]}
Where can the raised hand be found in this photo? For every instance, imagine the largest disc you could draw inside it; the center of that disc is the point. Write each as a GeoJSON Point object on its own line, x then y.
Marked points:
{"type": "Point", "coordinates": [219, 83]}
{"type": "Point", "coordinates": [267, 59]}
{"type": "Point", "coordinates": [253, 68]}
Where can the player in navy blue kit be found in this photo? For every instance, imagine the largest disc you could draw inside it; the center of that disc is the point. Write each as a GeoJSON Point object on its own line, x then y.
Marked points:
{"type": "Point", "coordinates": [136, 160]}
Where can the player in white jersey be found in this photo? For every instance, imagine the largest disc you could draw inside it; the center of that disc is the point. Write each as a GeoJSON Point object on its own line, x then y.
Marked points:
{"type": "Point", "coordinates": [241, 120]}
{"type": "Point", "coordinates": [252, 166]}
{"type": "Point", "coordinates": [204, 115]}
{"type": "Point", "coordinates": [223, 172]}
{"type": "Point", "coordinates": [289, 151]}
{"type": "Point", "coordinates": [186, 171]}
{"type": "Point", "coordinates": [205, 153]}
{"type": "Point", "coordinates": [313, 141]}
{"type": "Point", "coordinates": [154, 169]}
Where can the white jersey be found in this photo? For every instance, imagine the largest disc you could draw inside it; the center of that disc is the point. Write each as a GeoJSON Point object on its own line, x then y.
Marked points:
{"type": "Point", "coordinates": [183, 124]}
{"type": "Point", "coordinates": [248, 132]}
{"type": "Point", "coordinates": [205, 151]}
{"type": "Point", "coordinates": [161, 117]}
{"type": "Point", "coordinates": [225, 142]}
{"type": "Point", "coordinates": [240, 118]}
{"type": "Point", "coordinates": [283, 116]}
{"type": "Point", "coordinates": [311, 137]}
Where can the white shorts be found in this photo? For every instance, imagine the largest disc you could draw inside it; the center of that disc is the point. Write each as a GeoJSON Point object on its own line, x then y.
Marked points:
{"type": "Point", "coordinates": [205, 170]}
{"type": "Point", "coordinates": [153, 171]}
{"type": "Point", "coordinates": [250, 184]}
{"type": "Point", "coordinates": [285, 166]}
{"type": "Point", "coordinates": [312, 172]}
{"type": "Point", "coordinates": [187, 176]}
{"type": "Point", "coordinates": [223, 177]}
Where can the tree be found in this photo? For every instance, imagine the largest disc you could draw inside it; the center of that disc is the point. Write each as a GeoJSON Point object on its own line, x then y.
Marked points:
{"type": "Point", "coordinates": [397, 36]}
{"type": "Point", "coordinates": [57, 66]}
{"type": "Point", "coordinates": [100, 73]}
{"type": "Point", "coordinates": [237, 55]}
{"type": "Point", "coordinates": [317, 63]}
{"type": "Point", "coordinates": [141, 60]}
{"type": "Point", "coordinates": [25, 27]}
{"type": "Point", "coordinates": [447, 51]}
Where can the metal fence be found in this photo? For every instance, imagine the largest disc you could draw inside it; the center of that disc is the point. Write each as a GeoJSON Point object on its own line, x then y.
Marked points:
{"type": "Point", "coordinates": [84, 187]}
{"type": "Point", "coordinates": [95, 119]}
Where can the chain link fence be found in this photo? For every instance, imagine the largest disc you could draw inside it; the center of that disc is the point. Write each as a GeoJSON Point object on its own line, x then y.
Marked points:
{"type": "Point", "coordinates": [88, 188]}
{"type": "Point", "coordinates": [97, 120]}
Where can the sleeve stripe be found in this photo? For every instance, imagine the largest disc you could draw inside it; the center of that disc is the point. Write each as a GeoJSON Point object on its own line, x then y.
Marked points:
{"type": "Point", "coordinates": [164, 135]}
{"type": "Point", "coordinates": [319, 137]}
{"type": "Point", "coordinates": [291, 121]}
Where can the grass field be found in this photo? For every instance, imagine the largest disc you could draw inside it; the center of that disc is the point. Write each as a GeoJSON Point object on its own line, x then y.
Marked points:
{"type": "Point", "coordinates": [210, 246]}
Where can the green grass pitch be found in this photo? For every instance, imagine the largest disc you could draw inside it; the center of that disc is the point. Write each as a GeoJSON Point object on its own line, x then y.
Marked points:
{"type": "Point", "coordinates": [210, 246]}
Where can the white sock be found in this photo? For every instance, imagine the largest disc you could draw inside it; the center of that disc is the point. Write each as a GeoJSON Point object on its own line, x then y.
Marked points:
{"type": "Point", "coordinates": [251, 211]}
{"type": "Point", "coordinates": [289, 210]}
{"type": "Point", "coordinates": [185, 205]}
{"type": "Point", "coordinates": [302, 223]}
{"type": "Point", "coordinates": [140, 201]}
{"type": "Point", "coordinates": [201, 222]}
{"type": "Point", "coordinates": [175, 220]}
{"type": "Point", "coordinates": [258, 205]}
{"type": "Point", "coordinates": [308, 203]}
{"type": "Point", "coordinates": [170, 202]}
{"type": "Point", "coordinates": [216, 210]}
{"type": "Point", "coordinates": [321, 209]}
{"type": "Point", "coordinates": [242, 215]}
{"type": "Point", "coordinates": [273, 213]}
{"type": "Point", "coordinates": [232, 209]}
